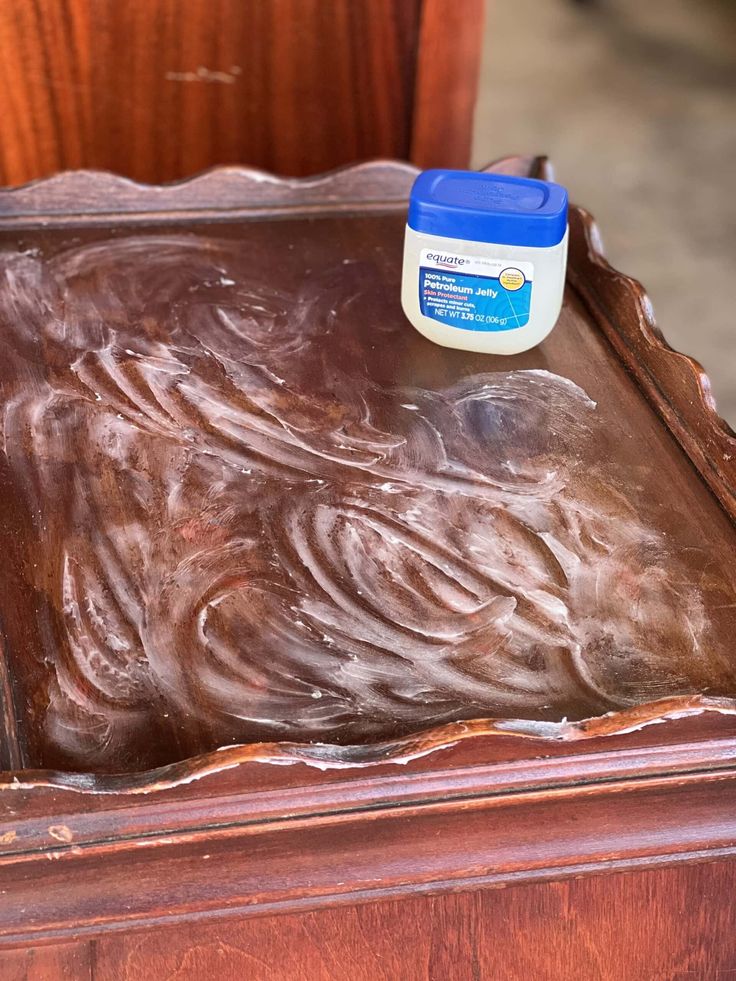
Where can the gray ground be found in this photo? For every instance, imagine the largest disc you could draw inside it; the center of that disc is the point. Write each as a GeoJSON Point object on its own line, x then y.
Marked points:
{"type": "Point", "coordinates": [635, 102]}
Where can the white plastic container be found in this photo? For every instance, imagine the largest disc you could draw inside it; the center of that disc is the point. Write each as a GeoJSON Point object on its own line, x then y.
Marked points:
{"type": "Point", "coordinates": [484, 260]}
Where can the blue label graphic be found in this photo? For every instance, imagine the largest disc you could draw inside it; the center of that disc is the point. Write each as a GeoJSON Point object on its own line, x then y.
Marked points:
{"type": "Point", "coordinates": [474, 302]}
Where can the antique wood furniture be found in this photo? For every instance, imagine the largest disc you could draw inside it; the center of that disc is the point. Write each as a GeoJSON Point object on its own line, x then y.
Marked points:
{"type": "Point", "coordinates": [158, 90]}
{"type": "Point", "coordinates": [331, 653]}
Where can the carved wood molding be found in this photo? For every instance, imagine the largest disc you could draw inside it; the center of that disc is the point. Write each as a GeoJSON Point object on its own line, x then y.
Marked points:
{"type": "Point", "coordinates": [675, 384]}
{"type": "Point", "coordinates": [88, 195]}
{"type": "Point", "coordinates": [125, 879]}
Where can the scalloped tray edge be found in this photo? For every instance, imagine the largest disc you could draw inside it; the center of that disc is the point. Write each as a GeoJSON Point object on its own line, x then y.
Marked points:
{"type": "Point", "coordinates": [327, 756]}
{"type": "Point", "coordinates": [687, 404]}
{"type": "Point", "coordinates": [76, 193]}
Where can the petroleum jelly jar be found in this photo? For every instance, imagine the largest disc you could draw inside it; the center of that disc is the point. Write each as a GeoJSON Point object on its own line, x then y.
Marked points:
{"type": "Point", "coordinates": [484, 259]}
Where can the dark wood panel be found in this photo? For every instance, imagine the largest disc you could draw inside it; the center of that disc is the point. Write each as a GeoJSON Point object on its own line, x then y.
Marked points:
{"type": "Point", "coordinates": [665, 925]}
{"type": "Point", "coordinates": [161, 90]}
{"type": "Point", "coordinates": [669, 925]}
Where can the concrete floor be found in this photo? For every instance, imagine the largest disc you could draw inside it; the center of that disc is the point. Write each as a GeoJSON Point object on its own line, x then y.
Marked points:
{"type": "Point", "coordinates": [635, 102]}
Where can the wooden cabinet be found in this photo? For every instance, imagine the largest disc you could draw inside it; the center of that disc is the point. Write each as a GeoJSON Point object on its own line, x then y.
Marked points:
{"type": "Point", "coordinates": [328, 652]}
{"type": "Point", "coordinates": [160, 89]}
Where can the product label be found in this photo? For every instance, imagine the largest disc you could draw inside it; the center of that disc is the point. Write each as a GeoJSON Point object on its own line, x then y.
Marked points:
{"type": "Point", "coordinates": [474, 293]}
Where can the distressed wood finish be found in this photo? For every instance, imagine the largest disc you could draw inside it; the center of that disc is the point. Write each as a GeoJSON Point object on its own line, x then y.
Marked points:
{"type": "Point", "coordinates": [468, 805]}
{"type": "Point", "coordinates": [160, 90]}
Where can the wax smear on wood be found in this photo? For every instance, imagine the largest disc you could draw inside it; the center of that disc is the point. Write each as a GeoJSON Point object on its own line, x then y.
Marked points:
{"type": "Point", "coordinates": [242, 528]}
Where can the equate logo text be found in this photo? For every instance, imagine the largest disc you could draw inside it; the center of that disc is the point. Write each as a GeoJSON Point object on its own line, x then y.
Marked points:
{"type": "Point", "coordinates": [446, 260]}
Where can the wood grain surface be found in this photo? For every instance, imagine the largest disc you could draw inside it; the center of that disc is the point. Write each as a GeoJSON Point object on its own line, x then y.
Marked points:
{"type": "Point", "coordinates": [65, 962]}
{"type": "Point", "coordinates": [667, 925]}
{"type": "Point", "coordinates": [161, 90]}
{"type": "Point", "coordinates": [447, 72]}
{"type": "Point", "coordinates": [659, 926]}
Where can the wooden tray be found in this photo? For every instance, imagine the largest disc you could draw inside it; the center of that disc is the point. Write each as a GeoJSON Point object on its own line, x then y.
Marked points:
{"type": "Point", "coordinates": [249, 516]}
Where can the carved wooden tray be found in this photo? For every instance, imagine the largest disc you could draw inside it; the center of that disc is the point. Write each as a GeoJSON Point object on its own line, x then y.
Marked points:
{"type": "Point", "coordinates": [249, 514]}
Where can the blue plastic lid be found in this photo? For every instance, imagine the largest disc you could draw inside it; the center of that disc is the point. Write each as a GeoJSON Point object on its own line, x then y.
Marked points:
{"type": "Point", "coordinates": [488, 208]}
